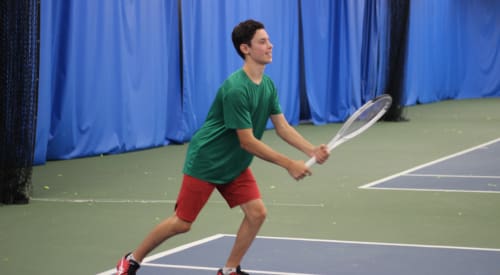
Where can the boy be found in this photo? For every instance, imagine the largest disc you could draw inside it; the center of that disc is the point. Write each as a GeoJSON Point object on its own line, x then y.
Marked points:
{"type": "Point", "coordinates": [220, 153]}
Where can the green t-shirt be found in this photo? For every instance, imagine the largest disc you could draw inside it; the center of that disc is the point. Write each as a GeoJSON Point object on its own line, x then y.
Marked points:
{"type": "Point", "coordinates": [214, 153]}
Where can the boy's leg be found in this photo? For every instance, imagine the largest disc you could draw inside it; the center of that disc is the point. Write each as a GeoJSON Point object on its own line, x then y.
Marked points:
{"type": "Point", "coordinates": [255, 214]}
{"type": "Point", "coordinates": [192, 198]}
{"type": "Point", "coordinates": [244, 192]}
{"type": "Point", "coordinates": [160, 233]}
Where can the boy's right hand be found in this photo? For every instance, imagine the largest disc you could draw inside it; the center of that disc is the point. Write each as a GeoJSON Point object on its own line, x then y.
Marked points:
{"type": "Point", "coordinates": [298, 169]}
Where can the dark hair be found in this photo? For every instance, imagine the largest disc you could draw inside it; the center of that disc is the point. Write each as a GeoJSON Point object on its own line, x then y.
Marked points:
{"type": "Point", "coordinates": [243, 34]}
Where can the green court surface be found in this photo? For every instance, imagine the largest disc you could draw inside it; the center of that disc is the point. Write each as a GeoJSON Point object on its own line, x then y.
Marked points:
{"type": "Point", "coordinates": [85, 213]}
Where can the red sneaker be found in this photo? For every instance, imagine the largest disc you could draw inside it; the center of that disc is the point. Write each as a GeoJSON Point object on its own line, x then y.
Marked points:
{"type": "Point", "coordinates": [126, 266]}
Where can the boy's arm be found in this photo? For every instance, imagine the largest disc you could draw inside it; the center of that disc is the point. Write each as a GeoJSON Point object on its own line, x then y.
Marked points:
{"type": "Point", "coordinates": [294, 138]}
{"type": "Point", "coordinates": [296, 168]}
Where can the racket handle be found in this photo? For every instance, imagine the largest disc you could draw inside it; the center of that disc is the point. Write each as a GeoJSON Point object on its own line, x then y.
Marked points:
{"type": "Point", "coordinates": [311, 162]}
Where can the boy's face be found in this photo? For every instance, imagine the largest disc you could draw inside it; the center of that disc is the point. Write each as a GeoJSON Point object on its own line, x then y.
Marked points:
{"type": "Point", "coordinates": [261, 49]}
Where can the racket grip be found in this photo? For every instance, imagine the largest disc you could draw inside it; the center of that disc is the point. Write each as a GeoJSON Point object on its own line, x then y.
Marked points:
{"type": "Point", "coordinates": [311, 162]}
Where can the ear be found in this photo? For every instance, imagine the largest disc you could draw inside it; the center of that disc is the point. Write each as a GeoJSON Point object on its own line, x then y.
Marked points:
{"type": "Point", "coordinates": [244, 48]}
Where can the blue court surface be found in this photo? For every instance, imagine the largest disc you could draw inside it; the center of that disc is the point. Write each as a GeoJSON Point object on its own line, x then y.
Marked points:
{"type": "Point", "coordinates": [473, 170]}
{"type": "Point", "coordinates": [291, 256]}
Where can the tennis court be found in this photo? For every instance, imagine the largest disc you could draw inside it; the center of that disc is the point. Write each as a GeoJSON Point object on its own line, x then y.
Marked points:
{"type": "Point", "coordinates": [86, 213]}
{"type": "Point", "coordinates": [292, 256]}
{"type": "Point", "coordinates": [473, 170]}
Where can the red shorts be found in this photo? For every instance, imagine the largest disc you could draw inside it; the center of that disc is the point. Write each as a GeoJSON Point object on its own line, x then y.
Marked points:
{"type": "Point", "coordinates": [195, 193]}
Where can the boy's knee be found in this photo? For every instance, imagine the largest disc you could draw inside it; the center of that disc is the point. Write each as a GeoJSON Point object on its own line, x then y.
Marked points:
{"type": "Point", "coordinates": [258, 214]}
{"type": "Point", "coordinates": [182, 226]}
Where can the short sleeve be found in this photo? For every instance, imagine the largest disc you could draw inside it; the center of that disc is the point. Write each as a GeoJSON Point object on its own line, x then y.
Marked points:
{"type": "Point", "coordinates": [275, 107]}
{"type": "Point", "coordinates": [236, 110]}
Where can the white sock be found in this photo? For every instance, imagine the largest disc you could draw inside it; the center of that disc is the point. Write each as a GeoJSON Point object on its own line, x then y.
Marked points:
{"type": "Point", "coordinates": [131, 257]}
{"type": "Point", "coordinates": [228, 270]}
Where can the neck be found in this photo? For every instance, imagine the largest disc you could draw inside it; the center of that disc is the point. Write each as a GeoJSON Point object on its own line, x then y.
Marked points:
{"type": "Point", "coordinates": [254, 72]}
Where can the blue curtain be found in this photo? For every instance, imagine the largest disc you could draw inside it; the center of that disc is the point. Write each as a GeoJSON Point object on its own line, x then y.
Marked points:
{"type": "Point", "coordinates": [109, 77]}
{"type": "Point", "coordinates": [209, 55]}
{"type": "Point", "coordinates": [453, 50]}
{"type": "Point", "coordinates": [333, 32]}
{"type": "Point", "coordinates": [118, 76]}
{"type": "Point", "coordinates": [374, 49]}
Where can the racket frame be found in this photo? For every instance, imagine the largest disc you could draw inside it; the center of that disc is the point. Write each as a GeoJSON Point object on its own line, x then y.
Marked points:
{"type": "Point", "coordinates": [339, 138]}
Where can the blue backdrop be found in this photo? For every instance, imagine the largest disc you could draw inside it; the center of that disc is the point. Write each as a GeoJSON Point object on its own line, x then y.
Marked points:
{"type": "Point", "coordinates": [109, 77]}
{"type": "Point", "coordinates": [454, 50]}
{"type": "Point", "coordinates": [208, 55]}
{"type": "Point", "coordinates": [117, 76]}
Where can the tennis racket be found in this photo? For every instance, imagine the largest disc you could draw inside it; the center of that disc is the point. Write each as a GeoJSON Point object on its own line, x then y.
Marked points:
{"type": "Point", "coordinates": [358, 122]}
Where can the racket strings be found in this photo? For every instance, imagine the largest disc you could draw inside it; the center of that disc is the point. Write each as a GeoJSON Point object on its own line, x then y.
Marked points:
{"type": "Point", "coordinates": [358, 122]}
{"type": "Point", "coordinates": [365, 117]}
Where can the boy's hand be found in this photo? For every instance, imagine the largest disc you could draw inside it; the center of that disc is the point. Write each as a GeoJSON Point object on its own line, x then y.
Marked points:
{"type": "Point", "coordinates": [321, 153]}
{"type": "Point", "coordinates": [298, 169]}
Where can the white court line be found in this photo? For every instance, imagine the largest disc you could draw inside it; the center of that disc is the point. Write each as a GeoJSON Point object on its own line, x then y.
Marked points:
{"type": "Point", "coordinates": [377, 243]}
{"type": "Point", "coordinates": [369, 185]}
{"type": "Point", "coordinates": [451, 176]}
{"type": "Point", "coordinates": [183, 247]}
{"type": "Point", "coordinates": [433, 190]}
{"type": "Point", "coordinates": [217, 268]}
{"type": "Point", "coordinates": [101, 200]}
{"type": "Point", "coordinates": [135, 201]}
